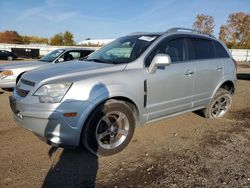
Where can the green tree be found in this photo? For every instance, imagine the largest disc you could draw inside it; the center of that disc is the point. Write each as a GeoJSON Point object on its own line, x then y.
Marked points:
{"type": "Point", "coordinates": [68, 38]}
{"type": "Point", "coordinates": [204, 23]}
{"type": "Point", "coordinates": [25, 39]}
{"type": "Point", "coordinates": [34, 39]}
{"type": "Point", "coordinates": [57, 39]}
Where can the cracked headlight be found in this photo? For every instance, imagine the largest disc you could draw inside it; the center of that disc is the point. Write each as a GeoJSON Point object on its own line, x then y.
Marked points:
{"type": "Point", "coordinates": [5, 73]}
{"type": "Point", "coordinates": [52, 93]}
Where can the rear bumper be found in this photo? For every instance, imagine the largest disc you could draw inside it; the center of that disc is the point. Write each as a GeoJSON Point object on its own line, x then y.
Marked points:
{"type": "Point", "coordinates": [48, 122]}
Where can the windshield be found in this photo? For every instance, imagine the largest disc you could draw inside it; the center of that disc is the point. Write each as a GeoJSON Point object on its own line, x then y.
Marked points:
{"type": "Point", "coordinates": [52, 55]}
{"type": "Point", "coordinates": [123, 50]}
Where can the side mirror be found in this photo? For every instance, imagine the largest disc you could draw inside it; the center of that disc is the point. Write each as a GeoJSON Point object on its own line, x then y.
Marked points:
{"type": "Point", "coordinates": [61, 59]}
{"type": "Point", "coordinates": [159, 60]}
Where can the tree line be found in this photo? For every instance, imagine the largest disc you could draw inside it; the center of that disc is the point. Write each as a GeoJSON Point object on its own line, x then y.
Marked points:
{"type": "Point", "coordinates": [235, 33]}
{"type": "Point", "coordinates": [13, 37]}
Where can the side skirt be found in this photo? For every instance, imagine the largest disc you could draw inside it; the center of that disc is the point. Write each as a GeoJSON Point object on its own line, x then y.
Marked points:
{"type": "Point", "coordinates": [175, 114]}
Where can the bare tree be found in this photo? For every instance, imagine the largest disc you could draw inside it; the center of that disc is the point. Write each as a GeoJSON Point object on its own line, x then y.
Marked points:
{"type": "Point", "coordinates": [204, 23]}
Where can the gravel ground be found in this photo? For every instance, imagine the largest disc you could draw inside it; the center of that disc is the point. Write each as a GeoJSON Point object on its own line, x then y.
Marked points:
{"type": "Point", "coordinates": [184, 151]}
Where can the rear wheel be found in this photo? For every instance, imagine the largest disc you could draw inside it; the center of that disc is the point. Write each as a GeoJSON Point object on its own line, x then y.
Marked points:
{"type": "Point", "coordinates": [109, 128]}
{"type": "Point", "coordinates": [219, 105]}
{"type": "Point", "coordinates": [10, 58]}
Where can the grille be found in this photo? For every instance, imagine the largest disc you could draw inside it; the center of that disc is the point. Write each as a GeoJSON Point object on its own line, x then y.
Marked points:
{"type": "Point", "coordinates": [27, 82]}
{"type": "Point", "coordinates": [22, 92]}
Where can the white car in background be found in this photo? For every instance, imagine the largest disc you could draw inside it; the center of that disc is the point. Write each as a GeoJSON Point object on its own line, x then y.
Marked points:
{"type": "Point", "coordinates": [11, 72]}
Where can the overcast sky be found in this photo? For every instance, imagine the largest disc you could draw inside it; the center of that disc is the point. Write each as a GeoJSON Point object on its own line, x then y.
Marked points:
{"type": "Point", "coordinates": [98, 19]}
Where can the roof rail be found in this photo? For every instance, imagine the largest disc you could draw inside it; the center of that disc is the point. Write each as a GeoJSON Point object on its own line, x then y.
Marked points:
{"type": "Point", "coordinates": [176, 29]}
{"type": "Point", "coordinates": [138, 33]}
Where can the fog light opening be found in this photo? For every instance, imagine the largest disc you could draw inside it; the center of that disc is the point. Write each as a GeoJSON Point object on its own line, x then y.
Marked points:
{"type": "Point", "coordinates": [19, 114]}
{"type": "Point", "coordinates": [55, 140]}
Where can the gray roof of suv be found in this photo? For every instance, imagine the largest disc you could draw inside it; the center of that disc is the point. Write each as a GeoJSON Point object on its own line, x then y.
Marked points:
{"type": "Point", "coordinates": [177, 30]}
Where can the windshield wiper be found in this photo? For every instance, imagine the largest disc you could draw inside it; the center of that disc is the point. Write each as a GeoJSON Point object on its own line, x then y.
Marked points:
{"type": "Point", "coordinates": [82, 58]}
{"type": "Point", "coordinates": [44, 61]}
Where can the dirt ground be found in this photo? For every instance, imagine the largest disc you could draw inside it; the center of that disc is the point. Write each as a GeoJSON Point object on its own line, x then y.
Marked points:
{"type": "Point", "coordinates": [184, 151]}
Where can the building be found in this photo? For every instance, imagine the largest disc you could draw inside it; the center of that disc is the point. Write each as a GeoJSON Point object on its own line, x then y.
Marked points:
{"type": "Point", "coordinates": [95, 42]}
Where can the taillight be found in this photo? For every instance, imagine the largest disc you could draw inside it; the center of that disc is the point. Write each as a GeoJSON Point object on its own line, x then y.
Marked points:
{"type": "Point", "coordinates": [235, 63]}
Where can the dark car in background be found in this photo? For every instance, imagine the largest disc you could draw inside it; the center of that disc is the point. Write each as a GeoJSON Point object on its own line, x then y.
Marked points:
{"type": "Point", "coordinates": [6, 55]}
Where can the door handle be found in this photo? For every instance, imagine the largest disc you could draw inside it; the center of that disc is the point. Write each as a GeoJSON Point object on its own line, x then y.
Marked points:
{"type": "Point", "coordinates": [189, 73]}
{"type": "Point", "coordinates": [219, 68]}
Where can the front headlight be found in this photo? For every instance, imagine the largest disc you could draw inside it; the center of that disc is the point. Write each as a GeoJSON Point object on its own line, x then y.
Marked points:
{"type": "Point", "coordinates": [52, 93]}
{"type": "Point", "coordinates": [5, 73]}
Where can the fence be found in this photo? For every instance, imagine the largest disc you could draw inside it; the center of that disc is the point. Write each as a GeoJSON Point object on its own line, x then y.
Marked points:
{"type": "Point", "coordinates": [241, 54]}
{"type": "Point", "coordinates": [238, 54]}
{"type": "Point", "coordinates": [43, 49]}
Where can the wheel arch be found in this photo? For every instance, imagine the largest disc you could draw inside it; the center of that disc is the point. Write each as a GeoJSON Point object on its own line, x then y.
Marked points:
{"type": "Point", "coordinates": [19, 76]}
{"type": "Point", "coordinates": [130, 103]}
{"type": "Point", "coordinates": [226, 84]}
{"type": "Point", "coordinates": [134, 108]}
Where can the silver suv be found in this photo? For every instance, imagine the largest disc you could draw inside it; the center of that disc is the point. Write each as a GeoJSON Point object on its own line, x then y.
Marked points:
{"type": "Point", "coordinates": [136, 79]}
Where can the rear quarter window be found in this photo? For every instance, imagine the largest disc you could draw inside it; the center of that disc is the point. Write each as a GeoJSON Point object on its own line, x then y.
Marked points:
{"type": "Point", "coordinates": [220, 50]}
{"type": "Point", "coordinates": [202, 49]}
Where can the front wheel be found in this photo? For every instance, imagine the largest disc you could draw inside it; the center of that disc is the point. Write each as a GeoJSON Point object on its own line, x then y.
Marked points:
{"type": "Point", "coordinates": [109, 128]}
{"type": "Point", "coordinates": [219, 105]}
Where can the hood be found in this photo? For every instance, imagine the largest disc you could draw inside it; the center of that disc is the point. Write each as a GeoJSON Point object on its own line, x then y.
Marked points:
{"type": "Point", "coordinates": [70, 70]}
{"type": "Point", "coordinates": [16, 65]}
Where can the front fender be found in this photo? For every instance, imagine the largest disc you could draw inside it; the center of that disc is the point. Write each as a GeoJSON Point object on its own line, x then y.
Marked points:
{"type": "Point", "coordinates": [100, 93]}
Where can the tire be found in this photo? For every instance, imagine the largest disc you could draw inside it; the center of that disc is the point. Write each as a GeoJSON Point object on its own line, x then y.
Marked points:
{"type": "Point", "coordinates": [8, 89]}
{"type": "Point", "coordinates": [10, 58]}
{"type": "Point", "coordinates": [219, 104]}
{"type": "Point", "coordinates": [109, 128]}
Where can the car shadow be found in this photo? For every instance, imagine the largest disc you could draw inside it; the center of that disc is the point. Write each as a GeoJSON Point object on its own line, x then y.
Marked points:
{"type": "Point", "coordinates": [1, 92]}
{"type": "Point", "coordinates": [8, 89]}
{"type": "Point", "coordinates": [243, 76]}
{"type": "Point", "coordinates": [75, 168]}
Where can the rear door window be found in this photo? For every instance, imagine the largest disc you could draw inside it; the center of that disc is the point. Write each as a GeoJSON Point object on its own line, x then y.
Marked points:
{"type": "Point", "coordinates": [202, 48]}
